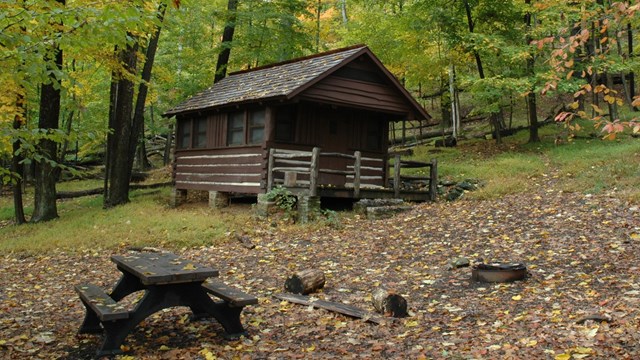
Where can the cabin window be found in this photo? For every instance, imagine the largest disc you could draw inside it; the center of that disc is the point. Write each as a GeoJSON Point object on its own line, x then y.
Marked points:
{"type": "Point", "coordinates": [235, 128]}
{"type": "Point", "coordinates": [285, 123]}
{"type": "Point", "coordinates": [200, 133]}
{"type": "Point", "coordinates": [184, 134]}
{"type": "Point", "coordinates": [256, 126]}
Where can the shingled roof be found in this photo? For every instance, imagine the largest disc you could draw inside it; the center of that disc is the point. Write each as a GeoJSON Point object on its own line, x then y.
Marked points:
{"type": "Point", "coordinates": [282, 80]}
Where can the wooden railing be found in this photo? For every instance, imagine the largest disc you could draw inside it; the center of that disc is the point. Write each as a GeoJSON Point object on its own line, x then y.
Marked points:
{"type": "Point", "coordinates": [398, 164]}
{"type": "Point", "coordinates": [307, 163]}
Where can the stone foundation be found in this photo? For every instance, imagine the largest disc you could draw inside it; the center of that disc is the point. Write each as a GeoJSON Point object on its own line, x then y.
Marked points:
{"type": "Point", "coordinates": [263, 206]}
{"type": "Point", "coordinates": [218, 199]}
{"type": "Point", "coordinates": [308, 208]}
{"type": "Point", "coordinates": [178, 197]}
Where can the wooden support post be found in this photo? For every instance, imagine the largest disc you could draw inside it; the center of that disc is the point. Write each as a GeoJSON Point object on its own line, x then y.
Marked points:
{"type": "Point", "coordinates": [313, 172]}
{"type": "Point", "coordinates": [433, 180]}
{"type": "Point", "coordinates": [356, 175]}
{"type": "Point", "coordinates": [396, 176]}
{"type": "Point", "coordinates": [305, 281]}
{"type": "Point", "coordinates": [272, 151]}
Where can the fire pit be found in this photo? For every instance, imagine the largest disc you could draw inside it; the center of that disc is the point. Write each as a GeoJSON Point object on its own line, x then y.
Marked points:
{"type": "Point", "coordinates": [498, 272]}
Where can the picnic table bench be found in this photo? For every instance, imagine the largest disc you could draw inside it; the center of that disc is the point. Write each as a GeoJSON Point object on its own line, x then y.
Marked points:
{"type": "Point", "coordinates": [167, 281]}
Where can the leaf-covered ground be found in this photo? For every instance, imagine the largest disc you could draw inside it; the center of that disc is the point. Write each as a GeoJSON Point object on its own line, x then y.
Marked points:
{"type": "Point", "coordinates": [582, 252]}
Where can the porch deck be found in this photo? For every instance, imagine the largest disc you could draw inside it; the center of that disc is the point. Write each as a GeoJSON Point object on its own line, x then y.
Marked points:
{"type": "Point", "coordinates": [300, 172]}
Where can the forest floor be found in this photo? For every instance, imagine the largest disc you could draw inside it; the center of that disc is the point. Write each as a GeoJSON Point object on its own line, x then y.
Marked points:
{"type": "Point", "coordinates": [582, 252]}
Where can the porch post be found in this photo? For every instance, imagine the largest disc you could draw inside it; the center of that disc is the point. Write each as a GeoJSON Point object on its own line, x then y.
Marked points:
{"type": "Point", "coordinates": [433, 180]}
{"type": "Point", "coordinates": [356, 175]}
{"type": "Point", "coordinates": [313, 172]}
{"type": "Point", "coordinates": [272, 151]}
{"type": "Point", "coordinates": [396, 176]}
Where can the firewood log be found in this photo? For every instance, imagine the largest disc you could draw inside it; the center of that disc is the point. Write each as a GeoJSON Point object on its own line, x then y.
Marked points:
{"type": "Point", "coordinates": [389, 303]}
{"type": "Point", "coordinates": [305, 281]}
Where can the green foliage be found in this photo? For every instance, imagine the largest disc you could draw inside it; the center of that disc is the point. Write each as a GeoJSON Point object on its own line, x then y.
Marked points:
{"type": "Point", "coordinates": [283, 199]}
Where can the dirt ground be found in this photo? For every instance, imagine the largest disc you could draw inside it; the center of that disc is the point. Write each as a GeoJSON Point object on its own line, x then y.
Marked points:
{"type": "Point", "coordinates": [580, 300]}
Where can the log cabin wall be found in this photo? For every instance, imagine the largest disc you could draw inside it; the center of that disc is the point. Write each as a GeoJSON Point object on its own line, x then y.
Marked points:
{"type": "Point", "coordinates": [237, 170]}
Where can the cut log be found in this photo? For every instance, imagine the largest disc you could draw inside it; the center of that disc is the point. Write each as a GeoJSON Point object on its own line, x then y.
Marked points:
{"type": "Point", "coordinates": [389, 303]}
{"type": "Point", "coordinates": [344, 309]}
{"type": "Point", "coordinates": [305, 281]}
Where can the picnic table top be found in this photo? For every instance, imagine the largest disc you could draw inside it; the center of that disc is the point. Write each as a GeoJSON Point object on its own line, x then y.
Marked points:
{"type": "Point", "coordinates": [163, 268]}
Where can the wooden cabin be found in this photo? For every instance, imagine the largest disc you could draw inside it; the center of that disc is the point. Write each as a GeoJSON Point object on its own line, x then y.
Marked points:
{"type": "Point", "coordinates": [318, 124]}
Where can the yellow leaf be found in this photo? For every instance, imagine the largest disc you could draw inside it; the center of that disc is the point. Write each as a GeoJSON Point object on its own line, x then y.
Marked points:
{"type": "Point", "coordinates": [565, 356]}
{"type": "Point", "coordinates": [583, 350]}
{"type": "Point", "coordinates": [532, 343]}
{"type": "Point", "coordinates": [311, 348]}
{"type": "Point", "coordinates": [164, 348]}
{"type": "Point", "coordinates": [411, 323]}
{"type": "Point", "coordinates": [189, 266]}
{"type": "Point", "coordinates": [516, 298]}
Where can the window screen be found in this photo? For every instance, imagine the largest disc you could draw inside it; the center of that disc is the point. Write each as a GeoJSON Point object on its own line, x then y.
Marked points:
{"type": "Point", "coordinates": [235, 128]}
{"type": "Point", "coordinates": [256, 126]}
{"type": "Point", "coordinates": [184, 134]}
{"type": "Point", "coordinates": [200, 133]}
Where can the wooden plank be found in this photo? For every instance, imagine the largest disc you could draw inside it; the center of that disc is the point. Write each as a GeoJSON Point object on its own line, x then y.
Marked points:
{"type": "Point", "coordinates": [396, 176]}
{"type": "Point", "coordinates": [337, 155]}
{"type": "Point", "coordinates": [102, 304]}
{"type": "Point", "coordinates": [291, 155]}
{"type": "Point", "coordinates": [164, 268]}
{"type": "Point", "coordinates": [313, 173]}
{"type": "Point", "coordinates": [270, 169]}
{"type": "Point", "coordinates": [286, 168]}
{"type": "Point", "coordinates": [218, 178]}
{"type": "Point", "coordinates": [233, 296]}
{"type": "Point", "coordinates": [337, 172]}
{"type": "Point", "coordinates": [253, 188]}
{"type": "Point", "coordinates": [357, 175]}
{"type": "Point", "coordinates": [344, 309]}
{"type": "Point", "coordinates": [433, 182]}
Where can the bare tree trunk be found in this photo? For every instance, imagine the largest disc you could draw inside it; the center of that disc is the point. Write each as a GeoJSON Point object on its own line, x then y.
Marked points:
{"type": "Point", "coordinates": [16, 166]}
{"type": "Point", "coordinates": [138, 116]}
{"type": "Point", "coordinates": [45, 177]}
{"type": "Point", "coordinates": [119, 151]}
{"type": "Point", "coordinates": [531, 97]}
{"type": "Point", "coordinates": [471, 25]}
{"type": "Point", "coordinates": [227, 38]}
{"type": "Point", "coordinates": [343, 10]}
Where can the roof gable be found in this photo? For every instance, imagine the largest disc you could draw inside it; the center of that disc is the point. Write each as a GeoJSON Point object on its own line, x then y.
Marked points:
{"type": "Point", "coordinates": [282, 81]}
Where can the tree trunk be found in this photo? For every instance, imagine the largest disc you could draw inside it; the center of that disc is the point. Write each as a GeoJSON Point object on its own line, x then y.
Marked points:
{"type": "Point", "coordinates": [471, 25]}
{"type": "Point", "coordinates": [119, 139]}
{"type": "Point", "coordinates": [389, 303]}
{"type": "Point", "coordinates": [44, 208]}
{"type": "Point", "coordinates": [305, 281]}
{"type": "Point", "coordinates": [16, 166]}
{"type": "Point", "coordinates": [343, 10]}
{"type": "Point", "coordinates": [531, 97]}
{"type": "Point", "coordinates": [227, 38]}
{"type": "Point", "coordinates": [138, 116]}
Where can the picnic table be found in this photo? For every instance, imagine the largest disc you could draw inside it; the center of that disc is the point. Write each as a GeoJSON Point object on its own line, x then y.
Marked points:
{"type": "Point", "coordinates": [167, 281]}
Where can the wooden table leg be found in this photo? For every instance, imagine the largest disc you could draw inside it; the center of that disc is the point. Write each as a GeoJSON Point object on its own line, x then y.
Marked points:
{"type": "Point", "coordinates": [229, 317]}
{"type": "Point", "coordinates": [128, 284]}
{"type": "Point", "coordinates": [91, 322]}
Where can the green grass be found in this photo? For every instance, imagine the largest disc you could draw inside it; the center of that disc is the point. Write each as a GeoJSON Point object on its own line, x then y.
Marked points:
{"type": "Point", "coordinates": [585, 164]}
{"type": "Point", "coordinates": [146, 221]}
